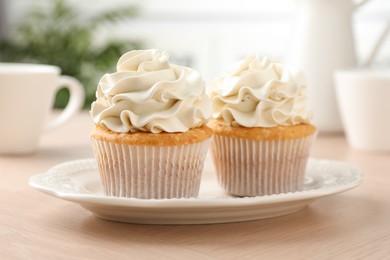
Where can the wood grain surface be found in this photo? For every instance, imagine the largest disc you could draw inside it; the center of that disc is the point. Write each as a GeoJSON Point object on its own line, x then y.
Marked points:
{"type": "Point", "coordinates": [351, 225]}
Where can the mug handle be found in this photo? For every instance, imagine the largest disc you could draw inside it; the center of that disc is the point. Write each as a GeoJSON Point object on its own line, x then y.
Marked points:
{"type": "Point", "coordinates": [377, 46]}
{"type": "Point", "coordinates": [378, 43]}
{"type": "Point", "coordinates": [74, 105]}
{"type": "Point", "coordinates": [361, 3]}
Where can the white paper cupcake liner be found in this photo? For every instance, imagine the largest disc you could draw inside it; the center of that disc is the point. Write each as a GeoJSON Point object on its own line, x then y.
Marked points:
{"type": "Point", "coordinates": [148, 172]}
{"type": "Point", "coordinates": [254, 168]}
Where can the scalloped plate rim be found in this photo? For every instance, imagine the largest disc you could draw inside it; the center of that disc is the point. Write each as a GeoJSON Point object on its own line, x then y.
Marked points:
{"type": "Point", "coordinates": [309, 195]}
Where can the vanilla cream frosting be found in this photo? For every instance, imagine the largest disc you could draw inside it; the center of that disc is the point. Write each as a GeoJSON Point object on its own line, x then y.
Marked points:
{"type": "Point", "coordinates": [149, 94]}
{"type": "Point", "coordinates": [260, 93]}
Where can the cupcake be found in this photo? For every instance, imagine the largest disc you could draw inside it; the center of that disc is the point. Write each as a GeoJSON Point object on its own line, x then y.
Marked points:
{"type": "Point", "coordinates": [150, 136]}
{"type": "Point", "coordinates": [262, 129]}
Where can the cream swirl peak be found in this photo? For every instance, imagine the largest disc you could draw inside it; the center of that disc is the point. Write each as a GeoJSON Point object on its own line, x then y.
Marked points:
{"type": "Point", "coordinates": [149, 94]}
{"type": "Point", "coordinates": [259, 93]}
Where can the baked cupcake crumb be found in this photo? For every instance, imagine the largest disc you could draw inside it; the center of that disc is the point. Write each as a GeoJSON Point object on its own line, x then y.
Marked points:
{"type": "Point", "coordinates": [263, 133]}
{"type": "Point", "coordinates": [193, 135]}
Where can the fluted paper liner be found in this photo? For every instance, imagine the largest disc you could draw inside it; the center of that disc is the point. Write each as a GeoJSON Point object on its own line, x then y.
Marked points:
{"type": "Point", "coordinates": [148, 172]}
{"type": "Point", "coordinates": [252, 168]}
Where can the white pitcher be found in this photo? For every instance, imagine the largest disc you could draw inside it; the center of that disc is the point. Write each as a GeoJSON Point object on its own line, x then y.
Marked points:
{"type": "Point", "coordinates": [323, 42]}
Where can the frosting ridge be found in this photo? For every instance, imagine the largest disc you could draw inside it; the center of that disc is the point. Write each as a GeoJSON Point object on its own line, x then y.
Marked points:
{"type": "Point", "coordinates": [260, 93]}
{"type": "Point", "coordinates": [149, 94]}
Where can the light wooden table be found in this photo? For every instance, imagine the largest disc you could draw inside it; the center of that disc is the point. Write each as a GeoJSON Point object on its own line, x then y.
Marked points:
{"type": "Point", "coordinates": [351, 225]}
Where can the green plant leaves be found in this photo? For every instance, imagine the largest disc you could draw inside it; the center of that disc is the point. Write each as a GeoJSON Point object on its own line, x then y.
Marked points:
{"type": "Point", "coordinates": [112, 16]}
{"type": "Point", "coordinates": [61, 36]}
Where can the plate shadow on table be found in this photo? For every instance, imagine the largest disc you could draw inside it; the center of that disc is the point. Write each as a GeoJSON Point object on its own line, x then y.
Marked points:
{"type": "Point", "coordinates": [266, 230]}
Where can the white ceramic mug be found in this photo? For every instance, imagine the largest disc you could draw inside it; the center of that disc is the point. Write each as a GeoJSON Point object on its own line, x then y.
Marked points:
{"type": "Point", "coordinates": [323, 42]}
{"type": "Point", "coordinates": [364, 101]}
{"type": "Point", "coordinates": [27, 94]}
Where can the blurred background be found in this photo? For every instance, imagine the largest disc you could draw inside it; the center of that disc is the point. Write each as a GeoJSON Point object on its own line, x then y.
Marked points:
{"type": "Point", "coordinates": [86, 38]}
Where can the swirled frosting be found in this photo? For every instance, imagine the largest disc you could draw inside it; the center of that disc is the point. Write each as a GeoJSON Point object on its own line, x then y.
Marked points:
{"type": "Point", "coordinates": [259, 93]}
{"type": "Point", "coordinates": [149, 94]}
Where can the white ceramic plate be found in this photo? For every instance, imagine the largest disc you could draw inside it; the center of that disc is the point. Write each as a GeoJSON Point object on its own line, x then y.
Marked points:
{"type": "Point", "coordinates": [78, 181]}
